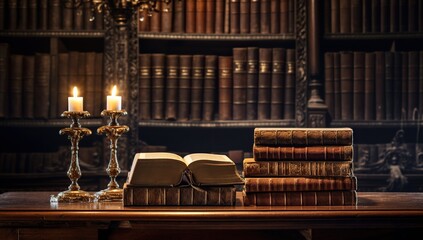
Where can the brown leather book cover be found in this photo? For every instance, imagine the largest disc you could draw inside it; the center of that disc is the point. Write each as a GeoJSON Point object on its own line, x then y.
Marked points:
{"type": "Point", "coordinates": [12, 9]}
{"type": "Point", "coordinates": [90, 84]}
{"type": "Point", "coordinates": [345, 16]}
{"type": "Point", "coordinates": [200, 16]}
{"type": "Point", "coordinates": [404, 85]}
{"type": "Point", "coordinates": [367, 16]}
{"type": "Point", "coordinates": [277, 83]}
{"type": "Point", "coordinates": [358, 86]}
{"type": "Point", "coordinates": [301, 198]}
{"type": "Point", "coordinates": [375, 16]}
{"type": "Point", "coordinates": [334, 16]}
{"type": "Point", "coordinates": [239, 107]}
{"type": "Point", "coordinates": [156, 19]}
{"type": "Point", "coordinates": [23, 15]}
{"type": "Point", "coordinates": [284, 18]}
{"type": "Point", "coordinates": [252, 82]}
{"type": "Point", "coordinates": [291, 16]}
{"type": "Point", "coordinates": [288, 184]}
{"type": "Point", "coordinates": [197, 87]}
{"type": "Point", "coordinates": [264, 83]}
{"type": "Point", "coordinates": [55, 15]}
{"type": "Point", "coordinates": [172, 75]}
{"type": "Point", "coordinates": [211, 13]}
{"type": "Point", "coordinates": [63, 79]}
{"type": "Point", "coordinates": [98, 20]}
{"type": "Point", "coordinates": [4, 79]}
{"type": "Point", "coordinates": [389, 85]}
{"type": "Point", "coordinates": [88, 15]}
{"type": "Point", "coordinates": [144, 23]}
{"type": "Point", "coordinates": [190, 16]}
{"type": "Point", "coordinates": [234, 16]}
{"type": "Point", "coordinates": [380, 85]}
{"type": "Point", "coordinates": [289, 107]}
{"type": "Point", "coordinates": [179, 16]}
{"type": "Point", "coordinates": [384, 16]}
{"type": "Point", "coordinates": [210, 87]}
{"type": "Point", "coordinates": [158, 66]}
{"type": "Point", "coordinates": [67, 14]}
{"type": "Point", "coordinates": [413, 85]}
{"type": "Point", "coordinates": [225, 87]}
{"type": "Point", "coordinates": [184, 94]}
{"type": "Point", "coordinates": [227, 15]}
{"type": "Point", "coordinates": [15, 85]}
{"type": "Point", "coordinates": [220, 16]}
{"type": "Point", "coordinates": [255, 16]}
{"type": "Point", "coordinates": [329, 83]}
{"type": "Point", "coordinates": [274, 16]}
{"type": "Point", "coordinates": [394, 15]}
{"type": "Point", "coordinates": [347, 85]}
{"type": "Point", "coordinates": [321, 153]}
{"type": "Point", "coordinates": [244, 16]}
{"type": "Point", "coordinates": [369, 86]}
{"type": "Point", "coordinates": [42, 85]}
{"type": "Point", "coordinates": [144, 86]}
{"type": "Point", "coordinates": [167, 15]}
{"type": "Point", "coordinates": [397, 82]}
{"type": "Point", "coordinates": [265, 16]}
{"type": "Point", "coordinates": [78, 19]}
{"type": "Point", "coordinates": [356, 16]}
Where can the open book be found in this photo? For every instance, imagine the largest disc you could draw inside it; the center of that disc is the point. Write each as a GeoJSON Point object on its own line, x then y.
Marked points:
{"type": "Point", "coordinates": [168, 169]}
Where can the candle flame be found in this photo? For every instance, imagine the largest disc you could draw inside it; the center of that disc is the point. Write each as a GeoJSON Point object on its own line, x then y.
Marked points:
{"type": "Point", "coordinates": [75, 92]}
{"type": "Point", "coordinates": [114, 90]}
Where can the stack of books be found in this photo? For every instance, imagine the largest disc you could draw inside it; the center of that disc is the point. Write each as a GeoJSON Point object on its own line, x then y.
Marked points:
{"type": "Point", "coordinates": [300, 167]}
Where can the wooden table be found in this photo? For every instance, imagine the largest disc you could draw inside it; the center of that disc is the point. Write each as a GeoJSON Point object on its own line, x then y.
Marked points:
{"type": "Point", "coordinates": [29, 215]}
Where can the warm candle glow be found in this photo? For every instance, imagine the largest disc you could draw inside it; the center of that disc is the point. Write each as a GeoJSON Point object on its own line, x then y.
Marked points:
{"type": "Point", "coordinates": [114, 102]}
{"type": "Point", "coordinates": [75, 103]}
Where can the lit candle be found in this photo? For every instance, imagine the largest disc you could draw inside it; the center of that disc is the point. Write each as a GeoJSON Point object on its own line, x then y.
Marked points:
{"type": "Point", "coordinates": [114, 102]}
{"type": "Point", "coordinates": [75, 103]}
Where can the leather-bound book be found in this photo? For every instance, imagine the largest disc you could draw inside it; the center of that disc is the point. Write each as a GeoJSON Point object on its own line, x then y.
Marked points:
{"type": "Point", "coordinates": [329, 83]}
{"type": "Point", "coordinates": [211, 13]}
{"type": "Point", "coordinates": [384, 16]}
{"type": "Point", "coordinates": [23, 15]}
{"type": "Point", "coordinates": [98, 83]}
{"type": "Point", "coordinates": [55, 15]}
{"type": "Point", "coordinates": [317, 153]}
{"type": "Point", "coordinates": [389, 85]}
{"type": "Point", "coordinates": [291, 16]}
{"type": "Point", "coordinates": [63, 83]}
{"type": "Point", "coordinates": [78, 19]}
{"type": "Point", "coordinates": [90, 83]}
{"type": "Point", "coordinates": [264, 83]}
{"type": "Point", "coordinates": [197, 87]}
{"type": "Point", "coordinates": [265, 16]}
{"type": "Point", "coordinates": [334, 16]}
{"type": "Point", "coordinates": [158, 66]}
{"type": "Point", "coordinates": [67, 13]}
{"type": "Point", "coordinates": [277, 83]}
{"type": "Point", "coordinates": [252, 82]}
{"type": "Point", "coordinates": [367, 16]}
{"type": "Point", "coordinates": [397, 82]}
{"type": "Point", "coordinates": [42, 85]}
{"type": "Point", "coordinates": [4, 80]}
{"type": "Point", "coordinates": [375, 16]}
{"type": "Point", "coordinates": [283, 18]}
{"type": "Point", "coordinates": [184, 94]}
{"type": "Point", "coordinates": [12, 9]}
{"type": "Point", "coordinates": [200, 16]}
{"type": "Point", "coordinates": [394, 16]}
{"type": "Point", "coordinates": [345, 16]}
{"type": "Point", "coordinates": [413, 85]}
{"type": "Point", "coordinates": [274, 16]}
{"type": "Point", "coordinates": [347, 85]}
{"type": "Point", "coordinates": [220, 16]}
{"type": "Point", "coordinates": [98, 20]}
{"type": "Point", "coordinates": [380, 85]}
{"type": "Point", "coordinates": [145, 22]}
{"type": "Point", "coordinates": [144, 86]}
{"type": "Point", "coordinates": [244, 16]}
{"type": "Point", "coordinates": [156, 19]}
{"type": "Point", "coordinates": [240, 57]}
{"type": "Point", "coordinates": [167, 15]}
{"type": "Point", "coordinates": [227, 15]}
{"type": "Point", "coordinates": [404, 85]}
{"type": "Point", "coordinates": [15, 85]}
{"type": "Point", "coordinates": [369, 86]}
{"type": "Point", "coordinates": [88, 15]}
{"type": "Point", "coordinates": [225, 87]}
{"type": "Point", "coordinates": [172, 75]}
{"type": "Point", "coordinates": [190, 18]}
{"type": "Point", "coordinates": [235, 16]}
{"type": "Point", "coordinates": [179, 17]}
{"type": "Point", "coordinates": [289, 107]}
{"type": "Point", "coordinates": [358, 86]}
{"type": "Point", "coordinates": [210, 83]}
{"type": "Point", "coordinates": [337, 84]}
{"type": "Point", "coordinates": [255, 16]}
{"type": "Point", "coordinates": [356, 16]}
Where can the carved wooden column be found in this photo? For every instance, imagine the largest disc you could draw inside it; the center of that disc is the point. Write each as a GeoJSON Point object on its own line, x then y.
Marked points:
{"type": "Point", "coordinates": [317, 109]}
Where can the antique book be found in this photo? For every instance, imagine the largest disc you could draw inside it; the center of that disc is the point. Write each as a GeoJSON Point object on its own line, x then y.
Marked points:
{"type": "Point", "coordinates": [211, 13]}
{"type": "Point", "coordinates": [265, 16]}
{"type": "Point", "coordinates": [145, 86]}
{"type": "Point", "coordinates": [167, 15]}
{"type": "Point", "coordinates": [190, 18]}
{"type": "Point", "coordinates": [78, 19]}
{"type": "Point", "coordinates": [12, 9]}
{"type": "Point", "coordinates": [219, 16]}
{"type": "Point", "coordinates": [291, 16]}
{"type": "Point", "coordinates": [172, 75]}
{"type": "Point", "coordinates": [304, 198]}
{"type": "Point", "coordinates": [264, 83]}
{"type": "Point", "coordinates": [345, 16]}
{"type": "Point", "coordinates": [184, 93]}
{"type": "Point", "coordinates": [337, 85]}
{"type": "Point", "coordinates": [179, 16]}
{"type": "Point", "coordinates": [239, 104]}
{"type": "Point", "coordinates": [156, 18]}
{"type": "Point", "coordinates": [287, 168]}
{"type": "Point", "coordinates": [225, 87]}
{"type": "Point", "coordinates": [210, 83]}
{"type": "Point", "coordinates": [389, 84]}
{"type": "Point", "coordinates": [63, 81]}
{"type": "Point", "coordinates": [300, 183]}
{"type": "Point", "coordinates": [22, 23]}
{"type": "Point", "coordinates": [28, 86]}
{"type": "Point", "coordinates": [227, 15]}
{"type": "Point", "coordinates": [252, 82]}
{"type": "Point", "coordinates": [244, 16]}
{"type": "Point", "coordinates": [90, 83]}
{"type": "Point", "coordinates": [323, 153]}
{"type": "Point", "coordinates": [234, 17]}
{"type": "Point", "coordinates": [346, 85]}
{"type": "Point", "coordinates": [397, 82]}
{"type": "Point", "coordinates": [283, 18]}
{"type": "Point", "coordinates": [165, 169]}
{"type": "Point", "coordinates": [197, 87]}
{"type": "Point", "coordinates": [329, 83]}
{"type": "Point", "coordinates": [200, 16]}
{"type": "Point", "coordinates": [144, 23]}
{"type": "Point", "coordinates": [42, 85]}
{"type": "Point", "coordinates": [356, 16]}
{"type": "Point", "coordinates": [88, 14]}
{"type": "Point", "coordinates": [384, 16]}
{"type": "Point", "coordinates": [413, 84]}
{"type": "Point", "coordinates": [178, 196]}
{"type": "Point", "coordinates": [394, 16]}
{"type": "Point", "coordinates": [334, 16]}
{"type": "Point", "coordinates": [4, 80]}
{"type": "Point", "coordinates": [55, 15]}
{"type": "Point", "coordinates": [67, 15]}
{"type": "Point", "coordinates": [98, 20]}
{"type": "Point", "coordinates": [289, 107]}
{"type": "Point", "coordinates": [158, 65]}
{"type": "Point", "coordinates": [369, 86]}
{"type": "Point", "coordinates": [274, 16]}
{"type": "Point", "coordinates": [358, 85]}
{"type": "Point", "coordinates": [15, 85]}
{"type": "Point", "coordinates": [255, 16]}
{"type": "Point", "coordinates": [375, 16]}
{"type": "Point", "coordinates": [303, 136]}
{"type": "Point", "coordinates": [380, 85]}
{"type": "Point", "coordinates": [277, 83]}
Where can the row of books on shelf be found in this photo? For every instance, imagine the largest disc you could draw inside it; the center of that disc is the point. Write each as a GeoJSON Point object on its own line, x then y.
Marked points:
{"type": "Point", "coordinates": [48, 15]}
{"type": "Point", "coordinates": [221, 16]}
{"type": "Point", "coordinates": [254, 83]}
{"type": "Point", "coordinates": [38, 86]}
{"type": "Point", "coordinates": [374, 85]}
{"type": "Point", "coordinates": [362, 16]}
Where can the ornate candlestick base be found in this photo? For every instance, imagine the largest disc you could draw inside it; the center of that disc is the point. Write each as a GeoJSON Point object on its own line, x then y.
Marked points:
{"type": "Point", "coordinates": [113, 131]}
{"type": "Point", "coordinates": [75, 133]}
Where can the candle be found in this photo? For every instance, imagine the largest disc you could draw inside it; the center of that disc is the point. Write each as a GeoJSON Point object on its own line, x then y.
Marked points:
{"type": "Point", "coordinates": [114, 102]}
{"type": "Point", "coordinates": [75, 103]}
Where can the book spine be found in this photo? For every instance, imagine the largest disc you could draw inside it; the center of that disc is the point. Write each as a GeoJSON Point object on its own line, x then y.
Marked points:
{"type": "Point", "coordinates": [346, 85]}
{"type": "Point", "coordinates": [297, 168]}
{"type": "Point", "coordinates": [240, 58]}
{"type": "Point", "coordinates": [220, 16]}
{"type": "Point", "coordinates": [227, 15]}
{"type": "Point", "coordinates": [15, 87]}
{"type": "Point", "coordinates": [63, 79]}
{"type": "Point", "coordinates": [274, 16]}
{"type": "Point", "coordinates": [264, 83]}
{"type": "Point", "coordinates": [252, 82]}
{"type": "Point", "coordinates": [289, 107]}
{"type": "Point", "coordinates": [384, 16]}
{"type": "Point", "coordinates": [12, 9]}
{"type": "Point", "coordinates": [88, 14]}
{"type": "Point", "coordinates": [369, 86]}
{"type": "Point", "coordinates": [397, 85]}
{"type": "Point", "coordinates": [90, 83]}
{"type": "Point", "coordinates": [211, 19]}
{"type": "Point", "coordinates": [28, 87]}
{"type": "Point", "coordinates": [172, 66]}
{"type": "Point", "coordinates": [375, 16]}
{"type": "Point", "coordinates": [197, 87]}
{"type": "Point", "coordinates": [184, 93]}
{"type": "Point", "coordinates": [200, 16]}
{"type": "Point", "coordinates": [225, 87]}
{"type": "Point", "coordinates": [284, 18]}
{"type": "Point", "coordinates": [2, 15]}
{"type": "Point", "coordinates": [55, 14]}
{"type": "Point", "coordinates": [98, 20]}
{"type": "Point", "coordinates": [345, 16]}
{"type": "Point", "coordinates": [210, 82]}
{"type": "Point", "coordinates": [67, 13]}
{"type": "Point", "coordinates": [302, 137]}
{"type": "Point", "coordinates": [340, 153]}
{"type": "Point", "coordinates": [145, 86]}
{"type": "Point", "coordinates": [291, 16]}
{"type": "Point", "coordinates": [234, 16]}
{"type": "Point", "coordinates": [78, 19]}
{"type": "Point", "coordinates": [394, 16]}
{"type": "Point", "coordinates": [334, 16]}
{"type": "Point", "coordinates": [4, 80]}
{"type": "Point", "coordinates": [277, 83]}
{"type": "Point", "coordinates": [413, 84]}
{"type": "Point", "coordinates": [356, 16]}
{"type": "Point", "coordinates": [310, 198]}
{"type": "Point", "coordinates": [358, 86]}
{"type": "Point", "coordinates": [42, 85]}
{"type": "Point", "coordinates": [157, 85]}
{"type": "Point", "coordinates": [292, 184]}
{"type": "Point", "coordinates": [265, 16]}
{"type": "Point", "coordinates": [145, 21]}
{"type": "Point", "coordinates": [380, 85]}
{"type": "Point", "coordinates": [412, 15]}
{"type": "Point", "coordinates": [244, 18]}
{"type": "Point", "coordinates": [190, 18]}
{"type": "Point", "coordinates": [403, 15]}
{"type": "Point", "coordinates": [179, 17]}
{"type": "Point", "coordinates": [329, 83]}
{"type": "Point", "coordinates": [255, 16]}
{"type": "Point", "coordinates": [167, 15]}
{"type": "Point", "coordinates": [156, 19]}
{"type": "Point", "coordinates": [389, 84]}
{"type": "Point", "coordinates": [22, 23]}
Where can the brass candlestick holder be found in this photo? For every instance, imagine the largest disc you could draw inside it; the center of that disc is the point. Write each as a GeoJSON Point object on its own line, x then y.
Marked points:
{"type": "Point", "coordinates": [113, 131]}
{"type": "Point", "coordinates": [75, 133]}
